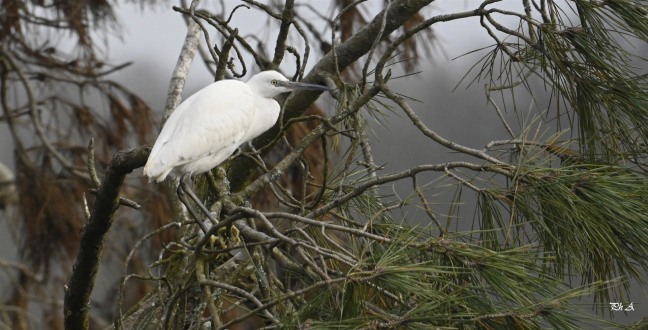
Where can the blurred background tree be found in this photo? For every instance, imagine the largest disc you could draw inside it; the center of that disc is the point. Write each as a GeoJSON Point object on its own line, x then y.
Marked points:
{"type": "Point", "coordinates": [560, 206]}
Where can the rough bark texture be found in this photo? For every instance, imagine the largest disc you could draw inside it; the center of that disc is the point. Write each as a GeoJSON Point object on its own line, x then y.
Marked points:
{"type": "Point", "coordinates": [182, 69]}
{"type": "Point", "coordinates": [84, 273]}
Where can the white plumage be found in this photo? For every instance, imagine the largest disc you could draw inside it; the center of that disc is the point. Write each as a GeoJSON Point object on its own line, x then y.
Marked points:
{"type": "Point", "coordinates": [208, 126]}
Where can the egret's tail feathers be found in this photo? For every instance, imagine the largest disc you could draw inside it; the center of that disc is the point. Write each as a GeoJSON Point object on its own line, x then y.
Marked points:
{"type": "Point", "coordinates": [163, 176]}
{"type": "Point", "coordinates": [147, 172]}
{"type": "Point", "coordinates": [156, 173]}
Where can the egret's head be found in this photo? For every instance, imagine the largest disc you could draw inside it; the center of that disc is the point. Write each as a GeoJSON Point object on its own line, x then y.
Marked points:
{"type": "Point", "coordinates": [273, 83]}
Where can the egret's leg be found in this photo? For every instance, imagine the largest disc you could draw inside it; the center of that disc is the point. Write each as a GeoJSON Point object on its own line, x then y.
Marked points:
{"type": "Point", "coordinates": [185, 187]}
{"type": "Point", "coordinates": [211, 181]}
{"type": "Point", "coordinates": [183, 190]}
{"type": "Point", "coordinates": [221, 237]}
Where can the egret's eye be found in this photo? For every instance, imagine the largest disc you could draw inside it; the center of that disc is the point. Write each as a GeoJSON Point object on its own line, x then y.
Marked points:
{"type": "Point", "coordinates": [274, 82]}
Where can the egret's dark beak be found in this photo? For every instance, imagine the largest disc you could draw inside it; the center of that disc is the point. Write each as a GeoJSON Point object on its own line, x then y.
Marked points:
{"type": "Point", "coordinates": [297, 85]}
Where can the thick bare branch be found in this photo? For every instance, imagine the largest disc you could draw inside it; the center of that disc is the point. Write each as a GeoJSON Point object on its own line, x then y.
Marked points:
{"type": "Point", "coordinates": [224, 54]}
{"type": "Point", "coordinates": [176, 86]}
{"type": "Point", "coordinates": [286, 21]}
{"type": "Point", "coordinates": [77, 296]}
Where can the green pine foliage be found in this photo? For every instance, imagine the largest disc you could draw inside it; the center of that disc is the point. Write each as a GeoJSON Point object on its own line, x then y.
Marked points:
{"type": "Point", "coordinates": [556, 218]}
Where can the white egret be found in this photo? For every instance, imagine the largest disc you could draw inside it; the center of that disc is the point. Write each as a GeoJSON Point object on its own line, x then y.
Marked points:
{"type": "Point", "coordinates": [208, 126]}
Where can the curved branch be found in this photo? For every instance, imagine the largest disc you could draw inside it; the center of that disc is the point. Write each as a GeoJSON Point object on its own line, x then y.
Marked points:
{"type": "Point", "coordinates": [433, 135]}
{"type": "Point", "coordinates": [400, 175]}
{"type": "Point", "coordinates": [84, 272]}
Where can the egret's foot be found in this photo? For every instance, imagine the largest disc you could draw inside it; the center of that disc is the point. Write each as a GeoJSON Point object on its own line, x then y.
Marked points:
{"type": "Point", "coordinates": [235, 235]}
{"type": "Point", "coordinates": [213, 239]}
{"type": "Point", "coordinates": [222, 240]}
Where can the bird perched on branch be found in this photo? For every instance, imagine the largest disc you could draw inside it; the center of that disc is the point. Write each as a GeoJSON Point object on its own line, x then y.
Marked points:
{"type": "Point", "coordinates": [208, 126]}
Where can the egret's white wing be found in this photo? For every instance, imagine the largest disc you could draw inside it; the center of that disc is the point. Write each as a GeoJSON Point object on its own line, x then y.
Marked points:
{"type": "Point", "coordinates": [214, 118]}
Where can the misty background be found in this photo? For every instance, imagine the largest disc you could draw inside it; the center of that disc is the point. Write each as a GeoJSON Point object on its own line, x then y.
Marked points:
{"type": "Point", "coordinates": [151, 38]}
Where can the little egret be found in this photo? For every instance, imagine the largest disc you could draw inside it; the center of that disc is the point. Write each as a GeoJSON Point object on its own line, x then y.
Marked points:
{"type": "Point", "coordinates": [208, 126]}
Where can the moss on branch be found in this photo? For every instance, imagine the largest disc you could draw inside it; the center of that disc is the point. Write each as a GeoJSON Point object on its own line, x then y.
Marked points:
{"type": "Point", "coordinates": [84, 272]}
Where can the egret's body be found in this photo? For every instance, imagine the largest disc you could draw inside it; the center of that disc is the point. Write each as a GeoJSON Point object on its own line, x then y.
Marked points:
{"type": "Point", "coordinates": [208, 126]}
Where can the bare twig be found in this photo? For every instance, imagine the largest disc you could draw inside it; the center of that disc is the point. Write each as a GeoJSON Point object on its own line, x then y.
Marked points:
{"type": "Point", "coordinates": [431, 134]}
{"type": "Point", "coordinates": [120, 298]}
{"type": "Point", "coordinates": [464, 182]}
{"type": "Point", "coordinates": [122, 201]}
{"type": "Point", "coordinates": [91, 164]}
{"type": "Point", "coordinates": [375, 44]}
{"type": "Point", "coordinates": [426, 206]}
{"type": "Point", "coordinates": [499, 113]}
